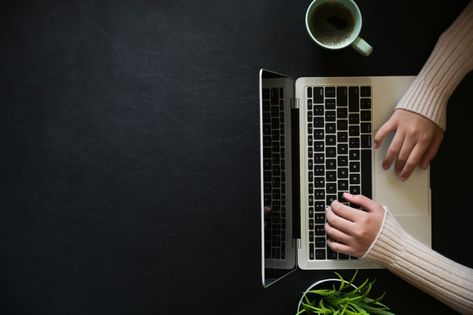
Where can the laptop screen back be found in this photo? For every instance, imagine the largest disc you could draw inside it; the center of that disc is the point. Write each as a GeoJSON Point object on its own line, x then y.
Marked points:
{"type": "Point", "coordinates": [278, 246]}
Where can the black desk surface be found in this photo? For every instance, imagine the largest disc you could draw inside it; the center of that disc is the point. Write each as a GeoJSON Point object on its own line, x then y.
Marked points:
{"type": "Point", "coordinates": [129, 151]}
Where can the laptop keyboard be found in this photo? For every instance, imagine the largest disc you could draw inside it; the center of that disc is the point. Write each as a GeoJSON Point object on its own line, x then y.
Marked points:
{"type": "Point", "coordinates": [339, 120]}
{"type": "Point", "coordinates": [274, 172]}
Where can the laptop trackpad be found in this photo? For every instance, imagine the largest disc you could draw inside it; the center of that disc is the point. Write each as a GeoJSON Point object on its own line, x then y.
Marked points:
{"type": "Point", "coordinates": [411, 197]}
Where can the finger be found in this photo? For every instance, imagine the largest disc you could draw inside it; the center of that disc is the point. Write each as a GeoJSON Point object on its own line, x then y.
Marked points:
{"type": "Point", "coordinates": [336, 234]}
{"type": "Point", "coordinates": [346, 212]}
{"type": "Point", "coordinates": [340, 247]}
{"type": "Point", "coordinates": [385, 129]}
{"type": "Point", "coordinates": [404, 154]}
{"type": "Point", "coordinates": [363, 201]}
{"type": "Point", "coordinates": [431, 151]}
{"type": "Point", "coordinates": [412, 161]}
{"type": "Point", "coordinates": [336, 220]}
{"type": "Point", "coordinates": [393, 150]}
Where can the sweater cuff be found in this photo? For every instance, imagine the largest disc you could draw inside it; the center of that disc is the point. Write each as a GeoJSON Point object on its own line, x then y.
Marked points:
{"type": "Point", "coordinates": [390, 242]}
{"type": "Point", "coordinates": [427, 99]}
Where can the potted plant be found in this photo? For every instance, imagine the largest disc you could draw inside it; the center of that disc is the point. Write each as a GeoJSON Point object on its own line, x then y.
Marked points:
{"type": "Point", "coordinates": [339, 296]}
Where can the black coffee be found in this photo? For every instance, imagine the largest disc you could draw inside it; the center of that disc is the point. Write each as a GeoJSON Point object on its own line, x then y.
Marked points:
{"type": "Point", "coordinates": [331, 23]}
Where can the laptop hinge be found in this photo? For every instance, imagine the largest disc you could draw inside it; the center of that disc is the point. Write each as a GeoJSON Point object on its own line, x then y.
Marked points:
{"type": "Point", "coordinates": [295, 103]}
{"type": "Point", "coordinates": [298, 243]}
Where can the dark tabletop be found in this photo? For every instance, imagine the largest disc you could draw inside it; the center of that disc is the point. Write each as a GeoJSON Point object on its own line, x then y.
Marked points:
{"type": "Point", "coordinates": [129, 151]}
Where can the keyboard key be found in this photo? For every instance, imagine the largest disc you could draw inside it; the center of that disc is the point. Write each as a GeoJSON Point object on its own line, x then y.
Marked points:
{"type": "Point", "coordinates": [331, 188]}
{"type": "Point", "coordinates": [342, 96]}
{"type": "Point", "coordinates": [320, 242]}
{"type": "Point", "coordinates": [366, 166]}
{"type": "Point", "coordinates": [342, 112]}
{"type": "Point", "coordinates": [354, 131]}
{"type": "Point", "coordinates": [354, 155]}
{"type": "Point", "coordinates": [331, 198]}
{"type": "Point", "coordinates": [320, 254]}
{"type": "Point", "coordinates": [319, 206]}
{"type": "Point", "coordinates": [365, 103]}
{"type": "Point", "coordinates": [319, 122]}
{"type": "Point", "coordinates": [343, 185]}
{"type": "Point", "coordinates": [330, 128]}
{"type": "Point", "coordinates": [330, 115]}
{"type": "Point", "coordinates": [319, 230]}
{"type": "Point", "coordinates": [353, 99]}
{"type": "Point", "coordinates": [309, 92]}
{"type": "Point", "coordinates": [319, 194]}
{"type": "Point", "coordinates": [365, 115]}
{"type": "Point", "coordinates": [331, 152]}
{"type": "Point", "coordinates": [330, 103]}
{"type": "Point", "coordinates": [342, 148]}
{"type": "Point", "coordinates": [318, 133]}
{"type": "Point", "coordinates": [331, 254]}
{"type": "Point", "coordinates": [365, 127]}
{"type": "Point", "coordinates": [342, 136]}
{"type": "Point", "coordinates": [354, 143]}
{"type": "Point", "coordinates": [318, 95]}
{"type": "Point", "coordinates": [365, 91]}
{"type": "Point", "coordinates": [342, 172]}
{"type": "Point", "coordinates": [330, 139]}
{"type": "Point", "coordinates": [319, 158]}
{"type": "Point", "coordinates": [342, 160]}
{"type": "Point", "coordinates": [319, 217]}
{"type": "Point", "coordinates": [318, 110]}
{"type": "Point", "coordinates": [331, 164]}
{"type": "Point", "coordinates": [354, 166]}
{"type": "Point", "coordinates": [342, 125]}
{"type": "Point", "coordinates": [319, 146]}
{"type": "Point", "coordinates": [366, 141]}
{"type": "Point", "coordinates": [319, 182]}
{"type": "Point", "coordinates": [329, 91]}
{"type": "Point", "coordinates": [331, 176]}
{"type": "Point", "coordinates": [309, 104]}
{"type": "Point", "coordinates": [355, 179]}
{"type": "Point", "coordinates": [354, 119]}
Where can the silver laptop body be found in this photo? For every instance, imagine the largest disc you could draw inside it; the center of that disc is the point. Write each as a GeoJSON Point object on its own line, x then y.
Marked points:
{"type": "Point", "coordinates": [292, 195]}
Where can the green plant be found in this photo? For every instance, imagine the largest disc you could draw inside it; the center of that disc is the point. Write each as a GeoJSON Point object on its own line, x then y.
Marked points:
{"type": "Point", "coordinates": [346, 299]}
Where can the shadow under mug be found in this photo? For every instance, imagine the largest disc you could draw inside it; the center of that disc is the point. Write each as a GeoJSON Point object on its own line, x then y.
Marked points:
{"type": "Point", "coordinates": [336, 24]}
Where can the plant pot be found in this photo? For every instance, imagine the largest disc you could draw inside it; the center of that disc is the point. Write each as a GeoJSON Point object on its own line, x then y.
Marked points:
{"type": "Point", "coordinates": [323, 284]}
{"type": "Point", "coordinates": [337, 296]}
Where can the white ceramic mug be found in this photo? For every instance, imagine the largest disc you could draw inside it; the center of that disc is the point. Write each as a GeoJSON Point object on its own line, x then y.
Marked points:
{"type": "Point", "coordinates": [336, 24]}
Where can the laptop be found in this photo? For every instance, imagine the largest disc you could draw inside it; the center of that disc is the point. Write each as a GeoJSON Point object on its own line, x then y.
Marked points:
{"type": "Point", "coordinates": [316, 136]}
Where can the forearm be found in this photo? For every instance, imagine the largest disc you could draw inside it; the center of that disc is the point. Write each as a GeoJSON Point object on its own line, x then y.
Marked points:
{"type": "Point", "coordinates": [422, 267]}
{"type": "Point", "coordinates": [449, 62]}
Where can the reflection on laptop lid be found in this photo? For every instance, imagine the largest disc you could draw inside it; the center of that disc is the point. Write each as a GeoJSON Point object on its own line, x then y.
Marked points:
{"type": "Point", "coordinates": [315, 144]}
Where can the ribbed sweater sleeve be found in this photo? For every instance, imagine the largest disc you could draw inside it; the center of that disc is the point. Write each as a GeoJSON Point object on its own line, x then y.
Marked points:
{"type": "Point", "coordinates": [422, 267]}
{"type": "Point", "coordinates": [449, 62]}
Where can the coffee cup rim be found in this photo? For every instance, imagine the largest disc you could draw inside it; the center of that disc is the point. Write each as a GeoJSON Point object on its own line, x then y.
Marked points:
{"type": "Point", "coordinates": [356, 32]}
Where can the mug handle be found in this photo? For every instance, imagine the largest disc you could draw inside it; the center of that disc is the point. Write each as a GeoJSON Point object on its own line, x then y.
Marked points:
{"type": "Point", "coordinates": [362, 46]}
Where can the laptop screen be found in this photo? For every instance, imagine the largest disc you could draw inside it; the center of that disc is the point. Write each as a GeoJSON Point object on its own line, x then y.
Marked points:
{"type": "Point", "coordinates": [277, 222]}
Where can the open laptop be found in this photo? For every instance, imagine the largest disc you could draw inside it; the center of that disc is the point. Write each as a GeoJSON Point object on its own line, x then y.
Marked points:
{"type": "Point", "coordinates": [316, 143]}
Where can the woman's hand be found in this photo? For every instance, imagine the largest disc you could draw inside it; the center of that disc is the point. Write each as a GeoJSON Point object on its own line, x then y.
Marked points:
{"type": "Point", "coordinates": [416, 141]}
{"type": "Point", "coordinates": [352, 231]}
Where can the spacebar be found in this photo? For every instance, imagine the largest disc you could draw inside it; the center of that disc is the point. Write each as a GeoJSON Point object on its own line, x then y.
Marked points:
{"type": "Point", "coordinates": [366, 173]}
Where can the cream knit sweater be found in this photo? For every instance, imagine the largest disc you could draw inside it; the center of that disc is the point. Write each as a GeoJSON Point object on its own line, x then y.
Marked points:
{"type": "Point", "coordinates": [422, 267]}
{"type": "Point", "coordinates": [450, 61]}
{"type": "Point", "coordinates": [442, 278]}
